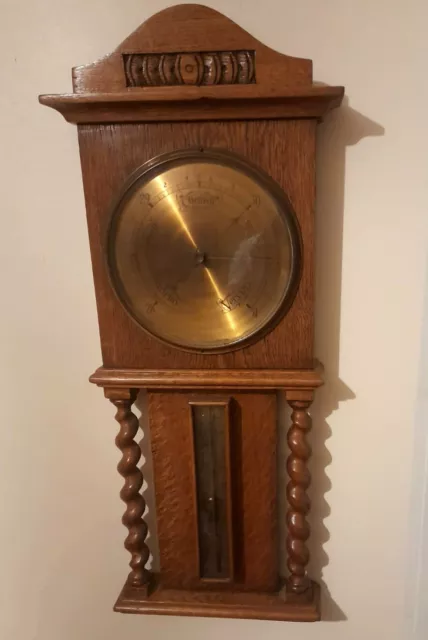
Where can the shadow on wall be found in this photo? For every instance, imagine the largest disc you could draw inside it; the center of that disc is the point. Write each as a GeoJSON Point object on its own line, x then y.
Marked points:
{"type": "Point", "coordinates": [341, 128]}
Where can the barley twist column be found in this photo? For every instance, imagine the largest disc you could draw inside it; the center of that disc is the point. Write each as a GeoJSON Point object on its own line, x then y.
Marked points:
{"type": "Point", "coordinates": [130, 493]}
{"type": "Point", "coordinates": [298, 501]}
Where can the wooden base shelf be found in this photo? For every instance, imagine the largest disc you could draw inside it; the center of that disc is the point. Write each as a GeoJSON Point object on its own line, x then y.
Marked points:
{"type": "Point", "coordinates": [282, 605]}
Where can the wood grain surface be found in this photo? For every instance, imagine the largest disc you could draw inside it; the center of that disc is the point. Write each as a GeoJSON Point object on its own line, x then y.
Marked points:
{"type": "Point", "coordinates": [191, 28]}
{"type": "Point", "coordinates": [295, 381]}
{"type": "Point", "coordinates": [298, 500]}
{"type": "Point", "coordinates": [253, 469]}
{"type": "Point", "coordinates": [284, 149]}
{"type": "Point", "coordinates": [133, 518]}
{"type": "Point", "coordinates": [195, 103]}
{"type": "Point", "coordinates": [189, 62]}
{"type": "Point", "coordinates": [279, 605]}
{"type": "Point", "coordinates": [190, 77]}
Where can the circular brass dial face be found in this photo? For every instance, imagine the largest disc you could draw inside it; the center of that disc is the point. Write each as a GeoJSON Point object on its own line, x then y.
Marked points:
{"type": "Point", "coordinates": [203, 250]}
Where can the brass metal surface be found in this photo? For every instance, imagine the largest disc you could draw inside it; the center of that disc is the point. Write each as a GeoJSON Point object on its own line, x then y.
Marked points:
{"type": "Point", "coordinates": [203, 249]}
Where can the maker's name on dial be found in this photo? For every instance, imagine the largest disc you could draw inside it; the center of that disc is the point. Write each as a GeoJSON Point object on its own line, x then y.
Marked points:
{"type": "Point", "coordinates": [197, 199]}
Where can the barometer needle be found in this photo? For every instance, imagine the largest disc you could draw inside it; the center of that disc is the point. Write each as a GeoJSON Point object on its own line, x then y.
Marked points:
{"type": "Point", "coordinates": [233, 257]}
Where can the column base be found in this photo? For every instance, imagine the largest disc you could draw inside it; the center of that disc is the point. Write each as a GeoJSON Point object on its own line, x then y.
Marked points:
{"type": "Point", "coordinates": [282, 605]}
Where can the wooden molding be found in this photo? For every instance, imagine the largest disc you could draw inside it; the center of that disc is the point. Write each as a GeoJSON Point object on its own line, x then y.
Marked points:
{"type": "Point", "coordinates": [303, 379]}
{"type": "Point", "coordinates": [175, 104]}
{"type": "Point", "coordinates": [187, 63]}
{"type": "Point", "coordinates": [189, 68]}
{"type": "Point", "coordinates": [192, 30]}
{"type": "Point", "coordinates": [281, 605]}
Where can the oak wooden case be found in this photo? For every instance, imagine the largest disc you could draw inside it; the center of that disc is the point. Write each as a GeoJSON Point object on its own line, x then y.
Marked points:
{"type": "Point", "coordinates": [189, 77]}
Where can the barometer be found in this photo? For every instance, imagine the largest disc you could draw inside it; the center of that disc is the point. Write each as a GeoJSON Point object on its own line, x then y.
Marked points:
{"type": "Point", "coordinates": [203, 249]}
{"type": "Point", "coordinates": [197, 146]}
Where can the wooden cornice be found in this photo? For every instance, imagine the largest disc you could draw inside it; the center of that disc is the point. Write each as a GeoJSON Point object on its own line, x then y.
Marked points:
{"type": "Point", "coordinates": [187, 63]}
{"type": "Point", "coordinates": [194, 103]}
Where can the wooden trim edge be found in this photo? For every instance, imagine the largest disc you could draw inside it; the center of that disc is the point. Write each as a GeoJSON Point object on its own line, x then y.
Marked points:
{"type": "Point", "coordinates": [279, 606]}
{"type": "Point", "coordinates": [162, 104]}
{"type": "Point", "coordinates": [206, 378]}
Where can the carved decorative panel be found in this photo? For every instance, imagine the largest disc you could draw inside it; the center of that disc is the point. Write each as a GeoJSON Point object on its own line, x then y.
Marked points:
{"type": "Point", "coordinates": [203, 68]}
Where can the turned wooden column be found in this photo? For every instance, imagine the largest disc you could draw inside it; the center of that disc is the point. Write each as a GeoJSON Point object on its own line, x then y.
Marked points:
{"type": "Point", "coordinates": [130, 493]}
{"type": "Point", "coordinates": [298, 500]}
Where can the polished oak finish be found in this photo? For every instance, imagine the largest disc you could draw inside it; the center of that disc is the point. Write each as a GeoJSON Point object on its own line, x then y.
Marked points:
{"type": "Point", "coordinates": [300, 379]}
{"type": "Point", "coordinates": [276, 605]}
{"type": "Point", "coordinates": [241, 78]}
{"type": "Point", "coordinates": [298, 500]}
{"type": "Point", "coordinates": [253, 488]}
{"type": "Point", "coordinates": [131, 490]}
{"type": "Point", "coordinates": [197, 146]}
{"type": "Point", "coordinates": [195, 68]}
{"type": "Point", "coordinates": [244, 103]}
{"type": "Point", "coordinates": [110, 155]}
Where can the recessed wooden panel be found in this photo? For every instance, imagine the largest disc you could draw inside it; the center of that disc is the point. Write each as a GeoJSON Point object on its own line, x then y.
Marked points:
{"type": "Point", "coordinates": [253, 488]}
{"type": "Point", "coordinates": [284, 149]}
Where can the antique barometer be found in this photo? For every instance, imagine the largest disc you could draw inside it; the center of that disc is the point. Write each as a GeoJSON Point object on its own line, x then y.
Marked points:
{"type": "Point", "coordinates": [203, 249]}
{"type": "Point", "coordinates": [197, 147]}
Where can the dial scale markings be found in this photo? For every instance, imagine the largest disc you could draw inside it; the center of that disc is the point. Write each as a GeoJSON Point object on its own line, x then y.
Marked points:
{"type": "Point", "coordinates": [201, 253]}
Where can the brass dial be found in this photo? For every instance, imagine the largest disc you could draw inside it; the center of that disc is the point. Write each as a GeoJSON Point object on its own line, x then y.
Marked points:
{"type": "Point", "coordinates": [203, 249]}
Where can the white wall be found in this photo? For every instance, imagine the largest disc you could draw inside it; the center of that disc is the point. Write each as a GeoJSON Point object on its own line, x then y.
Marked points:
{"type": "Point", "coordinates": [63, 561]}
